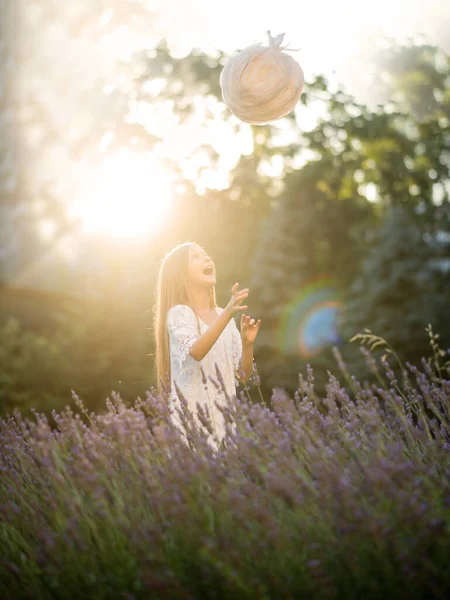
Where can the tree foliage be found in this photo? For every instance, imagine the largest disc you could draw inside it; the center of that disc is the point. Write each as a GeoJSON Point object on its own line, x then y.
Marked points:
{"type": "Point", "coordinates": [374, 174]}
{"type": "Point", "coordinates": [398, 291]}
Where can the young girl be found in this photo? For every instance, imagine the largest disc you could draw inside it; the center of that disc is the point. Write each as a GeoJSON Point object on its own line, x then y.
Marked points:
{"type": "Point", "coordinates": [193, 334]}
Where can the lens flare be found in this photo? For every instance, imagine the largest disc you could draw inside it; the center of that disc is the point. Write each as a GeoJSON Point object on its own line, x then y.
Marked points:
{"type": "Point", "coordinates": [309, 322]}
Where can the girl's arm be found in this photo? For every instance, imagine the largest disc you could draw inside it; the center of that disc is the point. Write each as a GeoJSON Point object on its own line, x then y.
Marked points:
{"type": "Point", "coordinates": [207, 340]}
{"type": "Point", "coordinates": [249, 331]}
{"type": "Point", "coordinates": [246, 364]}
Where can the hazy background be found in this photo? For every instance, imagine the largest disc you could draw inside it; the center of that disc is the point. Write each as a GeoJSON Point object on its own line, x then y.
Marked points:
{"type": "Point", "coordinates": [115, 144]}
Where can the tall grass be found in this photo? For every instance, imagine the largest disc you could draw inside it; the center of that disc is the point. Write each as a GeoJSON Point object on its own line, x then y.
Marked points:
{"type": "Point", "coordinates": [341, 496]}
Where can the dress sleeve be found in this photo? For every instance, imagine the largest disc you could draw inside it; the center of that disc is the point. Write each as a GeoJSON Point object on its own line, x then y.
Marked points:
{"type": "Point", "coordinates": [236, 345]}
{"type": "Point", "coordinates": [182, 327]}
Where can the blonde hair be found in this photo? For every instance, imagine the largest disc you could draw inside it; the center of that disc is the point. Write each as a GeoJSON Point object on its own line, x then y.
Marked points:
{"type": "Point", "coordinates": [172, 288]}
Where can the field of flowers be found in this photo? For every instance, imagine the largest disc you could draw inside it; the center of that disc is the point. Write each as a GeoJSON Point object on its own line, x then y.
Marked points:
{"type": "Point", "coordinates": [341, 496]}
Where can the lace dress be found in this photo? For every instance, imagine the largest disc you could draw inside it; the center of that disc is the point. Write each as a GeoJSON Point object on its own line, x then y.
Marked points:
{"type": "Point", "coordinates": [184, 328]}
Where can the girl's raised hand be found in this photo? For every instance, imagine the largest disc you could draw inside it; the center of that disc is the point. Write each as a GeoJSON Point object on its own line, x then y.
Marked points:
{"type": "Point", "coordinates": [237, 297]}
{"type": "Point", "coordinates": [249, 329]}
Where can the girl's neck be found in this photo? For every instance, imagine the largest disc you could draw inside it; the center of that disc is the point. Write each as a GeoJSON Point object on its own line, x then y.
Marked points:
{"type": "Point", "coordinates": [200, 300]}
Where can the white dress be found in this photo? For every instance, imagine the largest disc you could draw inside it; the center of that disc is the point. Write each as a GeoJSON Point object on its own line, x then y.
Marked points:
{"type": "Point", "coordinates": [184, 328]}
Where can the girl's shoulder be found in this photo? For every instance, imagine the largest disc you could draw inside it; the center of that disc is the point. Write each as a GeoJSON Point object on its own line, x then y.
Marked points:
{"type": "Point", "coordinates": [183, 310]}
{"type": "Point", "coordinates": [180, 309]}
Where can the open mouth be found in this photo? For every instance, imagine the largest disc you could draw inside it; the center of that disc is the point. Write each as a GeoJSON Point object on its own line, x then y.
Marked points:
{"type": "Point", "coordinates": [208, 270]}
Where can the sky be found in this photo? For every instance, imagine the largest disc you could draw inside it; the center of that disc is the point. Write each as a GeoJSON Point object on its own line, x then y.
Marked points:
{"type": "Point", "coordinates": [324, 24]}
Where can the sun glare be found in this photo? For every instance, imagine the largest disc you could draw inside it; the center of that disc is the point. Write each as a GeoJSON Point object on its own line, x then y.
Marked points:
{"type": "Point", "coordinates": [126, 196]}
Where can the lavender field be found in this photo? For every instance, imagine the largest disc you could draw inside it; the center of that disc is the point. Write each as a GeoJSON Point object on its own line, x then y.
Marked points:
{"type": "Point", "coordinates": [341, 496]}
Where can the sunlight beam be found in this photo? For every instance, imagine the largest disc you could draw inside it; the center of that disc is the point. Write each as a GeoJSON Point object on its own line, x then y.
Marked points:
{"type": "Point", "coordinates": [127, 195]}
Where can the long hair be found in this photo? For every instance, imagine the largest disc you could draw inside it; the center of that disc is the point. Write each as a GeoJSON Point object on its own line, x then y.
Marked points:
{"type": "Point", "coordinates": [172, 288]}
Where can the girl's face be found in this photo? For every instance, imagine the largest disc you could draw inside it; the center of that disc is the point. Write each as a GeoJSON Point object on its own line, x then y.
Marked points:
{"type": "Point", "coordinates": [202, 270]}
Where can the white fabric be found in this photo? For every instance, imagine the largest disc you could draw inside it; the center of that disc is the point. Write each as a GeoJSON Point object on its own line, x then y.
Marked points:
{"type": "Point", "coordinates": [262, 84]}
{"type": "Point", "coordinates": [184, 328]}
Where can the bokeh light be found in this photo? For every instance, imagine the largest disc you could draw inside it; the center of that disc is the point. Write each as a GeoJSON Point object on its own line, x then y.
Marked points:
{"type": "Point", "coordinates": [309, 322]}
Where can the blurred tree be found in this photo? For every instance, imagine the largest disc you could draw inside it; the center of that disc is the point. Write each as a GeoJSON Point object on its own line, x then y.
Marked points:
{"type": "Point", "coordinates": [50, 127]}
{"type": "Point", "coordinates": [52, 343]}
{"type": "Point", "coordinates": [404, 282]}
{"type": "Point", "coordinates": [398, 291]}
{"type": "Point", "coordinates": [308, 253]}
{"type": "Point", "coordinates": [416, 77]}
{"type": "Point", "coordinates": [361, 162]}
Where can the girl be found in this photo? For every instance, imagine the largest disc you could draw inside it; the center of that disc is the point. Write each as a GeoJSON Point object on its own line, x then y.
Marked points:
{"type": "Point", "coordinates": [193, 334]}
